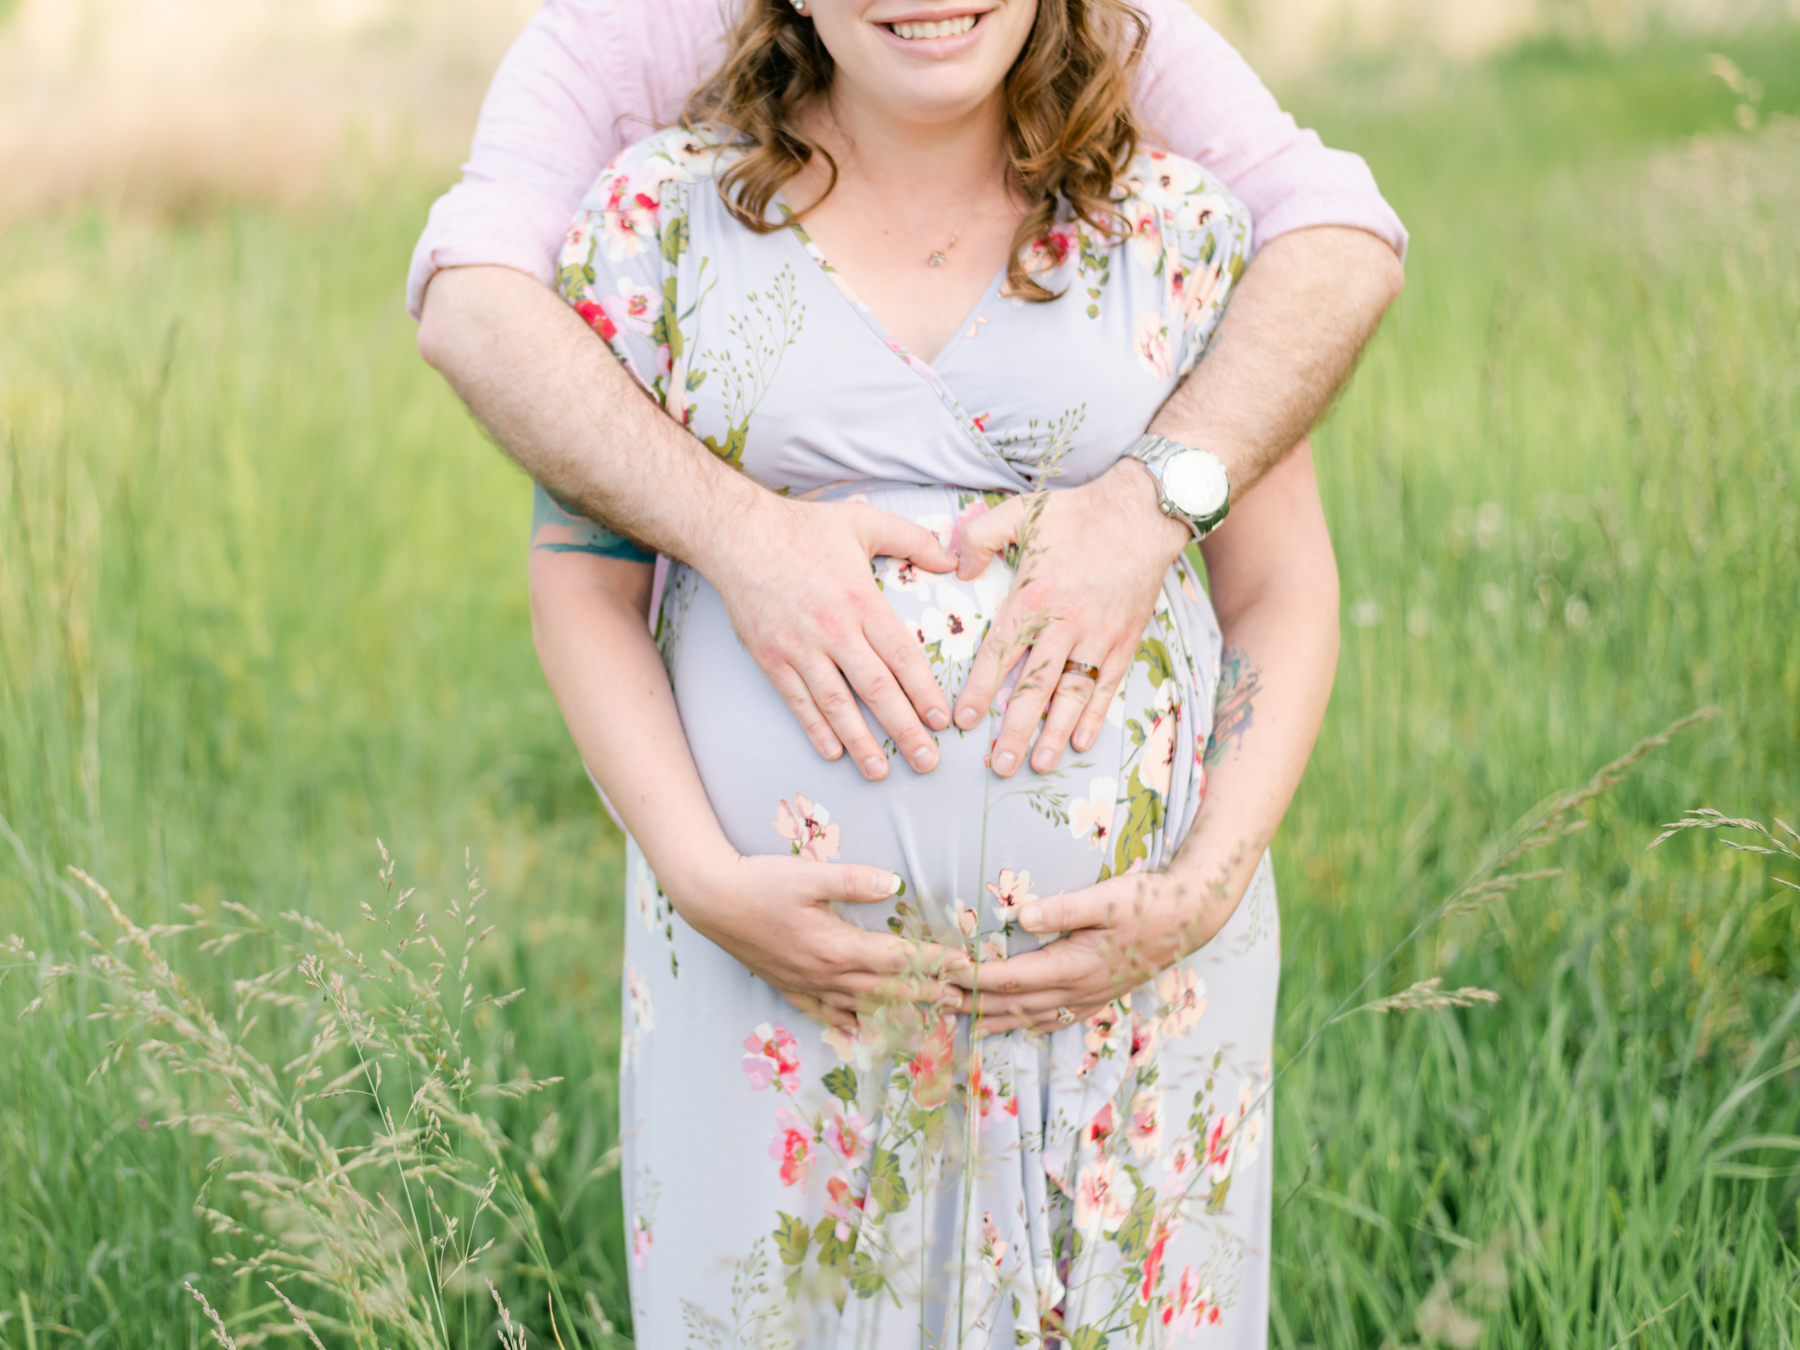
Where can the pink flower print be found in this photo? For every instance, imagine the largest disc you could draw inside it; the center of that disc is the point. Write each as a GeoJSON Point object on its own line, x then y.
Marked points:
{"type": "Point", "coordinates": [1099, 1200]}
{"type": "Point", "coordinates": [1047, 254]}
{"type": "Point", "coordinates": [1184, 993]}
{"type": "Point", "coordinates": [1179, 1169]}
{"type": "Point", "coordinates": [1012, 891]}
{"type": "Point", "coordinates": [1146, 234]}
{"type": "Point", "coordinates": [576, 240]}
{"type": "Point", "coordinates": [620, 233]}
{"type": "Point", "coordinates": [1198, 292]}
{"type": "Point", "coordinates": [849, 1133]}
{"type": "Point", "coordinates": [808, 829]}
{"type": "Point", "coordinates": [844, 1206]}
{"type": "Point", "coordinates": [641, 1239]}
{"type": "Point", "coordinates": [597, 318]}
{"type": "Point", "coordinates": [967, 920]}
{"type": "Point", "coordinates": [1102, 1025]}
{"type": "Point", "coordinates": [993, 1246]}
{"type": "Point", "coordinates": [1091, 816]}
{"type": "Point", "coordinates": [930, 1067]}
{"type": "Point", "coordinates": [1144, 1129]}
{"type": "Point", "coordinates": [1100, 1128]}
{"type": "Point", "coordinates": [980, 421]}
{"type": "Point", "coordinates": [978, 507]}
{"type": "Point", "coordinates": [1150, 340]}
{"type": "Point", "coordinates": [774, 1055]}
{"type": "Point", "coordinates": [1220, 1129]}
{"type": "Point", "coordinates": [1143, 1038]}
{"type": "Point", "coordinates": [791, 1146]}
{"type": "Point", "coordinates": [993, 948]}
{"type": "Point", "coordinates": [981, 1091]}
{"type": "Point", "coordinates": [1192, 1306]}
{"type": "Point", "coordinates": [1153, 1261]}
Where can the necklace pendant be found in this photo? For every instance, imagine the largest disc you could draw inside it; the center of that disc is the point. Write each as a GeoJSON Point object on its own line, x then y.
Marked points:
{"type": "Point", "coordinates": [936, 259]}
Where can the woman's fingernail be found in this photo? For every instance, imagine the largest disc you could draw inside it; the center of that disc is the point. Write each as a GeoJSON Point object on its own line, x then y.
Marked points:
{"type": "Point", "coordinates": [937, 719]}
{"type": "Point", "coordinates": [1004, 762]}
{"type": "Point", "coordinates": [888, 885]}
{"type": "Point", "coordinates": [831, 749]}
{"type": "Point", "coordinates": [1028, 918]}
{"type": "Point", "coordinates": [874, 766]}
{"type": "Point", "coordinates": [924, 759]}
{"type": "Point", "coordinates": [967, 717]}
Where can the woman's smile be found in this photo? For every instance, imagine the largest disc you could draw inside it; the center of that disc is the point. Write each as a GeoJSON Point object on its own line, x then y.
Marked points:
{"type": "Point", "coordinates": [935, 34]}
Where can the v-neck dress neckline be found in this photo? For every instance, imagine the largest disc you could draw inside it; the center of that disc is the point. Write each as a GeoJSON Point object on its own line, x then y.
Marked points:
{"type": "Point", "coordinates": [925, 370]}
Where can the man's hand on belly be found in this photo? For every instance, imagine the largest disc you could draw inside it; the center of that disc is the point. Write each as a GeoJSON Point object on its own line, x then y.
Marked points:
{"type": "Point", "coordinates": [797, 584]}
{"type": "Point", "coordinates": [1092, 562]}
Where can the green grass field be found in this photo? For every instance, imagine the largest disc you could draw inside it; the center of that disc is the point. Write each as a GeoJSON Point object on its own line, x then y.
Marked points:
{"type": "Point", "coordinates": [262, 601]}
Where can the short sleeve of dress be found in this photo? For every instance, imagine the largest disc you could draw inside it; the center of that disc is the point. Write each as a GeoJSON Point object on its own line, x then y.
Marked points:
{"type": "Point", "coordinates": [615, 269]}
{"type": "Point", "coordinates": [1204, 235]}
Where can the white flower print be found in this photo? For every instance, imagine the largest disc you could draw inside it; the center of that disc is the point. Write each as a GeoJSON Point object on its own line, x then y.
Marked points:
{"type": "Point", "coordinates": [1091, 816]}
{"type": "Point", "coordinates": [1012, 891]}
{"type": "Point", "coordinates": [643, 1014]}
{"type": "Point", "coordinates": [993, 585]}
{"type": "Point", "coordinates": [955, 624]}
{"type": "Point", "coordinates": [646, 904]}
{"type": "Point", "coordinates": [1150, 340]}
{"type": "Point", "coordinates": [901, 574]}
{"type": "Point", "coordinates": [1158, 763]}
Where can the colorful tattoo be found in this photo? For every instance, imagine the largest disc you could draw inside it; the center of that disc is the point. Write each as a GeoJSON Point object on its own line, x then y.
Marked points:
{"type": "Point", "coordinates": [1234, 711]}
{"type": "Point", "coordinates": [557, 529]}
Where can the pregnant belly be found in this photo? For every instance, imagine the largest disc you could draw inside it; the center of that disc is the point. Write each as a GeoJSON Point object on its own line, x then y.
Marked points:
{"type": "Point", "coordinates": [967, 843]}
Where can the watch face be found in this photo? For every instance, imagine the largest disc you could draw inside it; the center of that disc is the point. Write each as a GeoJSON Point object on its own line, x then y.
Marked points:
{"type": "Point", "coordinates": [1195, 482]}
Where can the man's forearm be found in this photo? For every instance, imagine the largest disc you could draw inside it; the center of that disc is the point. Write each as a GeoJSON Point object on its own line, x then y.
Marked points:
{"type": "Point", "coordinates": [1304, 308]}
{"type": "Point", "coordinates": [554, 398]}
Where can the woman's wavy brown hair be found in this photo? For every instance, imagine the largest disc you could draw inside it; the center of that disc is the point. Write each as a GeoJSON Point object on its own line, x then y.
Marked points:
{"type": "Point", "coordinates": [1069, 124]}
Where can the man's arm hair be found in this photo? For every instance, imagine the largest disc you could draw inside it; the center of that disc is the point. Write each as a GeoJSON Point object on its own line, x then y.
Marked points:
{"type": "Point", "coordinates": [556, 400]}
{"type": "Point", "coordinates": [1305, 307]}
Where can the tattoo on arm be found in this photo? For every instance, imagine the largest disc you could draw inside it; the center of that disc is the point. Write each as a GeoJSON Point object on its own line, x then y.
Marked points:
{"type": "Point", "coordinates": [555, 528]}
{"type": "Point", "coordinates": [1234, 710]}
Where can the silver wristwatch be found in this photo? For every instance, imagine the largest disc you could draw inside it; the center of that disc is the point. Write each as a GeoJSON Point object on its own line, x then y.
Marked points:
{"type": "Point", "coordinates": [1194, 485]}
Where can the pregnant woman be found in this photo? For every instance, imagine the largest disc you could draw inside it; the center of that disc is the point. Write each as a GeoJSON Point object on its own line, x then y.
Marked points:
{"type": "Point", "coordinates": [1022, 1138]}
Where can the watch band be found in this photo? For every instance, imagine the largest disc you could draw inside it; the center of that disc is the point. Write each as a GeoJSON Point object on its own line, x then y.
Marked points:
{"type": "Point", "coordinates": [1156, 452]}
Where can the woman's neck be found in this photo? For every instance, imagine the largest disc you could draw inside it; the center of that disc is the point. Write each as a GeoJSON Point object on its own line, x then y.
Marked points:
{"type": "Point", "coordinates": [956, 159]}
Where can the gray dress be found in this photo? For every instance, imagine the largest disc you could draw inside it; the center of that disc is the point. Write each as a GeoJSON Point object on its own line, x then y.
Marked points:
{"type": "Point", "coordinates": [786, 1185]}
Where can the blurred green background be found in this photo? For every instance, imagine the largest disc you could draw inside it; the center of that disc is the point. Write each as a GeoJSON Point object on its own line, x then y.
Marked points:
{"type": "Point", "coordinates": [262, 601]}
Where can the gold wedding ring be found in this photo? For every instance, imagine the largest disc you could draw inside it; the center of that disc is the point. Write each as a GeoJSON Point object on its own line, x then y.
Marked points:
{"type": "Point", "coordinates": [1064, 1016]}
{"type": "Point", "coordinates": [1074, 667]}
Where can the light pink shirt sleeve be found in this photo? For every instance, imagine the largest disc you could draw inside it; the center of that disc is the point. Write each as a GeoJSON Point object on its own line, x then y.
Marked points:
{"type": "Point", "coordinates": [588, 77]}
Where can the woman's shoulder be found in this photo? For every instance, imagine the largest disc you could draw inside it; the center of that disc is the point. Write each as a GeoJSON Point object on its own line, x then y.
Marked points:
{"type": "Point", "coordinates": [637, 178]}
{"type": "Point", "coordinates": [1159, 181]}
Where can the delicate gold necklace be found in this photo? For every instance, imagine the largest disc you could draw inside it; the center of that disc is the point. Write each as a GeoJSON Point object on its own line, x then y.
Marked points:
{"type": "Point", "coordinates": [939, 256]}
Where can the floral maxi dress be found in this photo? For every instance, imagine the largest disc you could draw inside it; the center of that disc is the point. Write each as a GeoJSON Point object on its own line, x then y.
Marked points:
{"type": "Point", "coordinates": [787, 1185]}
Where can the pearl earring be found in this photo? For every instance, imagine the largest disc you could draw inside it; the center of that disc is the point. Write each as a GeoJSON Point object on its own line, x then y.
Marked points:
{"type": "Point", "coordinates": [800, 6]}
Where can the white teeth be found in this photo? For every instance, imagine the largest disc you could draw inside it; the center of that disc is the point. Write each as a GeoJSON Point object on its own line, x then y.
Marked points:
{"type": "Point", "coordinates": [914, 32]}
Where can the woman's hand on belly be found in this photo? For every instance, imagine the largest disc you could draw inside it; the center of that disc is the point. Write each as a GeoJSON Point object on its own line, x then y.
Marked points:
{"type": "Point", "coordinates": [1119, 934]}
{"type": "Point", "coordinates": [774, 915]}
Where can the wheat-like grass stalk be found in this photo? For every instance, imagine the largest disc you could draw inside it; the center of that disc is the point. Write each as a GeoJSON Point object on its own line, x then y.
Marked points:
{"type": "Point", "coordinates": [385, 1226]}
